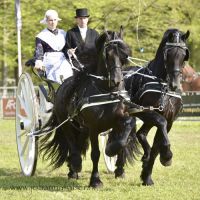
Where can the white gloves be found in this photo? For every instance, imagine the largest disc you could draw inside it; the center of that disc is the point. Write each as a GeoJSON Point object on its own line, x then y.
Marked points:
{"type": "Point", "coordinates": [39, 65]}
{"type": "Point", "coordinates": [71, 52]}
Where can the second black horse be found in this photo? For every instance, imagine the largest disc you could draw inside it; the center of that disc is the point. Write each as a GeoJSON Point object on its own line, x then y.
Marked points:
{"type": "Point", "coordinates": [155, 87]}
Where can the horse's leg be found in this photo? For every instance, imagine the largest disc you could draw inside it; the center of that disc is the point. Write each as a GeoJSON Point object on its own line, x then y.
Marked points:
{"type": "Point", "coordinates": [141, 135]}
{"type": "Point", "coordinates": [95, 181]}
{"type": "Point", "coordinates": [126, 152]}
{"type": "Point", "coordinates": [165, 158]}
{"type": "Point", "coordinates": [74, 164]}
{"type": "Point", "coordinates": [150, 119]}
{"type": "Point", "coordinates": [72, 174]}
{"type": "Point", "coordinates": [165, 151]}
{"type": "Point", "coordinates": [74, 159]}
{"type": "Point", "coordinates": [119, 171]}
{"type": "Point", "coordinates": [147, 166]}
{"type": "Point", "coordinates": [121, 133]}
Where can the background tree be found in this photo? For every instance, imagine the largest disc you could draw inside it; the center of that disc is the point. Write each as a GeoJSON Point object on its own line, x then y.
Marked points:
{"type": "Point", "coordinates": [144, 21]}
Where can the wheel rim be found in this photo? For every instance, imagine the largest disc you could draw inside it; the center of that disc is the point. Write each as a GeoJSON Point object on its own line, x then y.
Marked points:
{"type": "Point", "coordinates": [109, 161]}
{"type": "Point", "coordinates": [26, 122]}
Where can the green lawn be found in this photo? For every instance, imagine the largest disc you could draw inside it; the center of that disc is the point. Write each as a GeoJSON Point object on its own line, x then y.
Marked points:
{"type": "Point", "coordinates": [181, 181]}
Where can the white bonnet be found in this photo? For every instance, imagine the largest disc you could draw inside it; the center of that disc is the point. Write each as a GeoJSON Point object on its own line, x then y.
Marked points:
{"type": "Point", "coordinates": [50, 13]}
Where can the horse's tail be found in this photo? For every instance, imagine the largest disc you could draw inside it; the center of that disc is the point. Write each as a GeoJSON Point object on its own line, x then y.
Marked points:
{"type": "Point", "coordinates": [54, 148]}
{"type": "Point", "coordinates": [67, 145]}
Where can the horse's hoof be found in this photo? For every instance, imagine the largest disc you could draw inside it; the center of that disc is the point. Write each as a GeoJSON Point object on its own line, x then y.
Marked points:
{"type": "Point", "coordinates": [96, 183]}
{"type": "Point", "coordinates": [146, 180]}
{"type": "Point", "coordinates": [112, 149]}
{"type": "Point", "coordinates": [148, 183]}
{"type": "Point", "coordinates": [121, 176]}
{"type": "Point", "coordinates": [73, 175]}
{"type": "Point", "coordinates": [119, 173]}
{"type": "Point", "coordinates": [166, 163]}
{"type": "Point", "coordinates": [166, 156]}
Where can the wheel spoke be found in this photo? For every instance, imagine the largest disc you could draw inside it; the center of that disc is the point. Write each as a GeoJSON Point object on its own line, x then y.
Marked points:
{"type": "Point", "coordinates": [22, 133]}
{"type": "Point", "coordinates": [22, 103]}
{"type": "Point", "coordinates": [26, 96]}
{"type": "Point", "coordinates": [29, 98]}
{"type": "Point", "coordinates": [25, 146]}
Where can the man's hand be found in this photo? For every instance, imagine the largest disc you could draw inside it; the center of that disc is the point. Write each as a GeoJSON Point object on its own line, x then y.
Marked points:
{"type": "Point", "coordinates": [71, 52]}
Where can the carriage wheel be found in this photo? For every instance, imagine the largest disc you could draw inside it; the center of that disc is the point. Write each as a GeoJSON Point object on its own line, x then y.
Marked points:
{"type": "Point", "coordinates": [109, 161]}
{"type": "Point", "coordinates": [26, 123]}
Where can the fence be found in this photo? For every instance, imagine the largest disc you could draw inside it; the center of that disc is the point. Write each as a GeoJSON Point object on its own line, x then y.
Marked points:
{"type": "Point", "coordinates": [7, 102]}
{"type": "Point", "coordinates": [191, 103]}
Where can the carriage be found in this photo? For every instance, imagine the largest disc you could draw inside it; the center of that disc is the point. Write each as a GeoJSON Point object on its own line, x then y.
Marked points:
{"type": "Point", "coordinates": [33, 109]}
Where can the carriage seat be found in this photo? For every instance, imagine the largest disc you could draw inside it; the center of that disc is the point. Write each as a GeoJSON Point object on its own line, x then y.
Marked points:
{"type": "Point", "coordinates": [49, 93]}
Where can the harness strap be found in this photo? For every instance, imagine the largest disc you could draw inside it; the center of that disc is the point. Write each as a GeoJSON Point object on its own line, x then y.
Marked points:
{"type": "Point", "coordinates": [102, 99]}
{"type": "Point", "coordinates": [137, 72]}
{"type": "Point", "coordinates": [82, 66]}
{"type": "Point", "coordinates": [178, 44]}
{"type": "Point", "coordinates": [43, 132]}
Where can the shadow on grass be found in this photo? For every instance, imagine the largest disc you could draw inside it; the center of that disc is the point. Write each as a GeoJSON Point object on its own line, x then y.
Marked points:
{"type": "Point", "coordinates": [11, 180]}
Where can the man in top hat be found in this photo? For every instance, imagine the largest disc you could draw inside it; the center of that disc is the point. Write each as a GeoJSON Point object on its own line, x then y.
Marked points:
{"type": "Point", "coordinates": [48, 49]}
{"type": "Point", "coordinates": [81, 40]}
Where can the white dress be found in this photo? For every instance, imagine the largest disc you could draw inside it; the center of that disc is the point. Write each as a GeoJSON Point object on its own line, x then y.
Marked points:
{"type": "Point", "coordinates": [57, 66]}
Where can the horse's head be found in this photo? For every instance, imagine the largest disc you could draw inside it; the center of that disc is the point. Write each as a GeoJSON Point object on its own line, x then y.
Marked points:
{"type": "Point", "coordinates": [113, 53]}
{"type": "Point", "coordinates": [175, 53]}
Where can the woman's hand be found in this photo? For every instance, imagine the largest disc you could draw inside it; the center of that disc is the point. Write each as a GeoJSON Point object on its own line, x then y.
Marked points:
{"type": "Point", "coordinates": [39, 65]}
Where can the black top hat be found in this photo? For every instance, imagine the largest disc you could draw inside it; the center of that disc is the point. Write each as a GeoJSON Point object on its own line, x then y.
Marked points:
{"type": "Point", "coordinates": [82, 12]}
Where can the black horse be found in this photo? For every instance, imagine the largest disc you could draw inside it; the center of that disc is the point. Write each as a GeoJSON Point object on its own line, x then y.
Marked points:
{"type": "Point", "coordinates": [152, 86]}
{"type": "Point", "coordinates": [92, 103]}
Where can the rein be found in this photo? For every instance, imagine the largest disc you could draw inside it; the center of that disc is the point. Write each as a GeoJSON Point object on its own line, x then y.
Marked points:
{"type": "Point", "coordinates": [137, 72]}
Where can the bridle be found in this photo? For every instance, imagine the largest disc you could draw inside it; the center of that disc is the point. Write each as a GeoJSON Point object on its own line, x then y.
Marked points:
{"type": "Point", "coordinates": [168, 47]}
{"type": "Point", "coordinates": [114, 43]}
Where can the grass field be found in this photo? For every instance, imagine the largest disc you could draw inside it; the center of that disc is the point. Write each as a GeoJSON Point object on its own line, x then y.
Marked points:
{"type": "Point", "coordinates": [181, 181]}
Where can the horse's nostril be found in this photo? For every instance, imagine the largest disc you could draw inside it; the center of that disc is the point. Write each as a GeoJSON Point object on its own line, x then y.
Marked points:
{"type": "Point", "coordinates": [115, 83]}
{"type": "Point", "coordinates": [173, 86]}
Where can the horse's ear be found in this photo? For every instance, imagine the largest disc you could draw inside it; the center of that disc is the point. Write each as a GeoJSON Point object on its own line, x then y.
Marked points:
{"type": "Point", "coordinates": [107, 35]}
{"type": "Point", "coordinates": [186, 35]}
{"type": "Point", "coordinates": [121, 32]}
